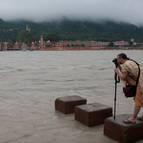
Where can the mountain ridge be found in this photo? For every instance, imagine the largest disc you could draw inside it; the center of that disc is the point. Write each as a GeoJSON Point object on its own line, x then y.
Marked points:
{"type": "Point", "coordinates": [73, 30]}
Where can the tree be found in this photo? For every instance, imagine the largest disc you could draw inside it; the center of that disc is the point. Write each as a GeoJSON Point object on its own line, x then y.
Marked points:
{"type": "Point", "coordinates": [131, 43]}
{"type": "Point", "coordinates": [111, 44]}
{"type": "Point", "coordinates": [26, 37]}
{"type": "Point", "coordinates": [52, 37]}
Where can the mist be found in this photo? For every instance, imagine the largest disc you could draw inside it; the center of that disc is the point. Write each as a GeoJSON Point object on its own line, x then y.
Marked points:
{"type": "Point", "coordinates": [129, 11]}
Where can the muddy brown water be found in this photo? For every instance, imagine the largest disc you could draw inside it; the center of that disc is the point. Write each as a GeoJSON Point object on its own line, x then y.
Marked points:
{"type": "Point", "coordinates": [30, 81]}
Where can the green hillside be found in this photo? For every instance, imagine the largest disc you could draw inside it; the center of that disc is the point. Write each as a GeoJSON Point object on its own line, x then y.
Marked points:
{"type": "Point", "coordinates": [71, 30]}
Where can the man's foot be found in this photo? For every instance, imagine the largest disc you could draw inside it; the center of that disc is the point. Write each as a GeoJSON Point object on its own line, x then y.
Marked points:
{"type": "Point", "coordinates": [140, 118]}
{"type": "Point", "coordinates": [130, 121]}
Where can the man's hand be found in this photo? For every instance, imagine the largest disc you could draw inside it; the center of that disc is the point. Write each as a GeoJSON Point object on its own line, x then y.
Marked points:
{"type": "Point", "coordinates": [120, 74]}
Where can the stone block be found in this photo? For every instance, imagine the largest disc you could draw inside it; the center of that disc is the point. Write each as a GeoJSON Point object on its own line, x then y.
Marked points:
{"type": "Point", "coordinates": [66, 104]}
{"type": "Point", "coordinates": [124, 133]}
{"type": "Point", "coordinates": [92, 114]}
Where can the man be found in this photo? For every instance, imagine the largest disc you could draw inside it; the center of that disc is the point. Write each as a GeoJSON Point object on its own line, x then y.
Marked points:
{"type": "Point", "coordinates": [128, 73]}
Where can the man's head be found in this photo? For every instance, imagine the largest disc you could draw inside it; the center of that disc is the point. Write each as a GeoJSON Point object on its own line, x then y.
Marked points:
{"type": "Point", "coordinates": [121, 58]}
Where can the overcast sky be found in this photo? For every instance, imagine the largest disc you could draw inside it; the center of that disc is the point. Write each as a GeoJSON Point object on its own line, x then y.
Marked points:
{"type": "Point", "coordinates": [44, 10]}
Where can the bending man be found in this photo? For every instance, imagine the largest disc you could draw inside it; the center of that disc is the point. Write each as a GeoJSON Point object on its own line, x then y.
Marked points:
{"type": "Point", "coordinates": [128, 73]}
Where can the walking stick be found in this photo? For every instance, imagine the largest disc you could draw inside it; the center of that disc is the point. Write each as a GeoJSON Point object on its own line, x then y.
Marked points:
{"type": "Point", "coordinates": [117, 80]}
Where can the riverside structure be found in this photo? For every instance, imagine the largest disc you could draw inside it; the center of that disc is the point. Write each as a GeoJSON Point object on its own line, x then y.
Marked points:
{"type": "Point", "coordinates": [68, 45]}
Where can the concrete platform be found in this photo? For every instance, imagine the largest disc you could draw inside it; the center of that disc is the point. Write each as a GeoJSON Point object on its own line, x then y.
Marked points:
{"type": "Point", "coordinates": [92, 114]}
{"type": "Point", "coordinates": [125, 133]}
{"type": "Point", "coordinates": [66, 104]}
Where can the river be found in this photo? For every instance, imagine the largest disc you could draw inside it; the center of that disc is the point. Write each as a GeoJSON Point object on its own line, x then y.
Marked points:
{"type": "Point", "coordinates": [30, 81]}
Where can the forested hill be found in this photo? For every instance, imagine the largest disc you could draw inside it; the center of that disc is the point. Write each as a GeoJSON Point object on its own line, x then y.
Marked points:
{"type": "Point", "coordinates": [72, 30]}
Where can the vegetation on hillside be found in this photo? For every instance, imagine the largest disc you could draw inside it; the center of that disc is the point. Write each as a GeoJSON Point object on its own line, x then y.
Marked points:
{"type": "Point", "coordinates": [69, 30]}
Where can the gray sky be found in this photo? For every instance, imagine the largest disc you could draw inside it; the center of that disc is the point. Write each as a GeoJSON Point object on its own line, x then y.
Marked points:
{"type": "Point", "coordinates": [40, 10]}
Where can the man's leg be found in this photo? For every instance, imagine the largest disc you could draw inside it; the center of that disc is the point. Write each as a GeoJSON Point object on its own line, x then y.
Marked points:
{"type": "Point", "coordinates": [133, 118]}
{"type": "Point", "coordinates": [136, 111]}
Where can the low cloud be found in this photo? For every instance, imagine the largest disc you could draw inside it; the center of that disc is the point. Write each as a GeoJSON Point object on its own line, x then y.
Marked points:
{"type": "Point", "coordinates": [130, 11]}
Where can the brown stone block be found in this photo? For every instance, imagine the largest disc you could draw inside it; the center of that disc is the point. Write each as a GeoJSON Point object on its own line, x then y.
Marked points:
{"type": "Point", "coordinates": [66, 104]}
{"type": "Point", "coordinates": [125, 133]}
{"type": "Point", "coordinates": [92, 114]}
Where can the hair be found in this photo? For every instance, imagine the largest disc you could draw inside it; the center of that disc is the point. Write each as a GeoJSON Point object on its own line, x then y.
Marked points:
{"type": "Point", "coordinates": [123, 56]}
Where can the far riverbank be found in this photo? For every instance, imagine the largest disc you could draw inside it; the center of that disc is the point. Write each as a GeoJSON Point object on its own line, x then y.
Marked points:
{"type": "Point", "coordinates": [57, 48]}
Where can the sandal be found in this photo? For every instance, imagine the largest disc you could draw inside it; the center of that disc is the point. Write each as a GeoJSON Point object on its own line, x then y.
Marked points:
{"type": "Point", "coordinates": [140, 118]}
{"type": "Point", "coordinates": [130, 121]}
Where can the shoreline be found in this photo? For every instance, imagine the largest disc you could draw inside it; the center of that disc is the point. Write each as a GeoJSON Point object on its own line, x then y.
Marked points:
{"type": "Point", "coordinates": [73, 49]}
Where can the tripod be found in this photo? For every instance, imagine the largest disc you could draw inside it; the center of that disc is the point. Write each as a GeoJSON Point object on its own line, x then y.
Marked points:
{"type": "Point", "coordinates": [117, 80]}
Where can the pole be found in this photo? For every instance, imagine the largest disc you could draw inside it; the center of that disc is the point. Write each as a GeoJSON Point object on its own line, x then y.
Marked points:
{"type": "Point", "coordinates": [117, 80]}
{"type": "Point", "coordinates": [115, 97]}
